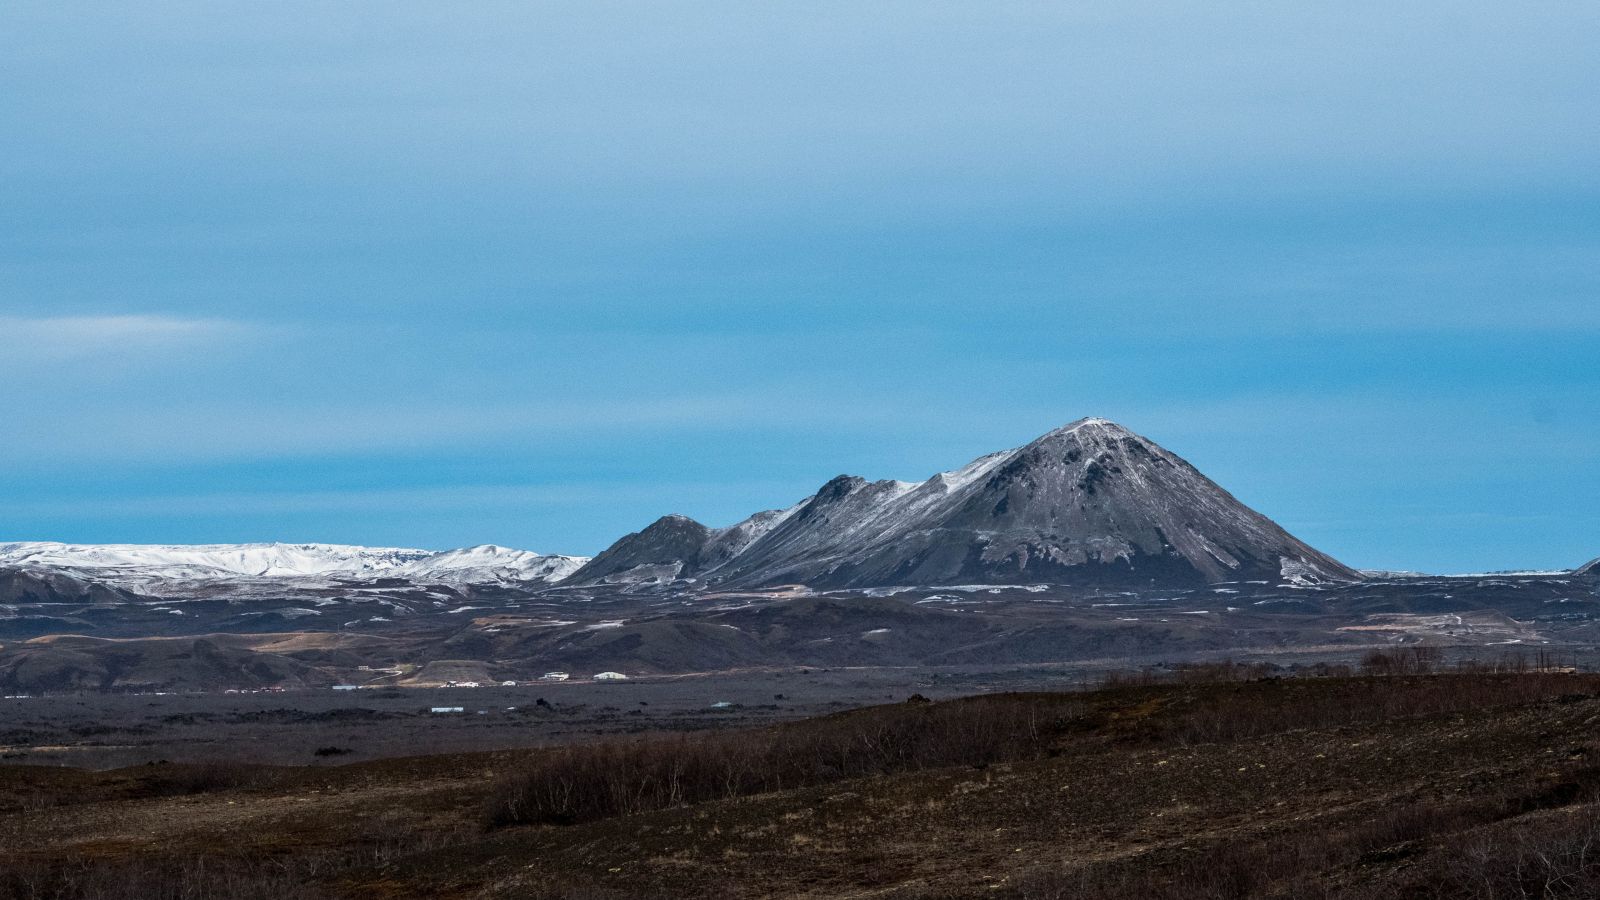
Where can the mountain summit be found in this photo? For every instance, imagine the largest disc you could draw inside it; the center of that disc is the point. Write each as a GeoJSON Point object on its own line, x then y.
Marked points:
{"type": "Point", "coordinates": [1089, 503]}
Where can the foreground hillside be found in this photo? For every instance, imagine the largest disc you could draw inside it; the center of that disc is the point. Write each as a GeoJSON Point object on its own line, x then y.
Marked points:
{"type": "Point", "coordinates": [1457, 785]}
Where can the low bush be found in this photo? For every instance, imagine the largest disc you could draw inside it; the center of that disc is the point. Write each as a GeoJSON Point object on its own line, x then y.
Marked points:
{"type": "Point", "coordinates": [1555, 858]}
{"type": "Point", "coordinates": [597, 781]}
{"type": "Point", "coordinates": [1402, 661]}
{"type": "Point", "coordinates": [577, 784]}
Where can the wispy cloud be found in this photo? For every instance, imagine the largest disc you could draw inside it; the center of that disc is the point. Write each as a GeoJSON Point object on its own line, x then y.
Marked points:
{"type": "Point", "coordinates": [54, 338]}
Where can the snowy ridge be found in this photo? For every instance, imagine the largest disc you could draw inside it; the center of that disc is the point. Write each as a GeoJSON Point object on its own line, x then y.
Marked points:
{"type": "Point", "coordinates": [487, 562]}
{"type": "Point", "coordinates": [731, 541]}
{"type": "Point", "coordinates": [143, 564]}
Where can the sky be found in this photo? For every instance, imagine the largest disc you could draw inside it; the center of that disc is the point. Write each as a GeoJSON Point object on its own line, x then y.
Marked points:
{"type": "Point", "coordinates": [534, 274]}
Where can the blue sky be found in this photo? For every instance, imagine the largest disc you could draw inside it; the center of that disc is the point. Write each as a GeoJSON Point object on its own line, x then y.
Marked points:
{"type": "Point", "coordinates": [536, 273]}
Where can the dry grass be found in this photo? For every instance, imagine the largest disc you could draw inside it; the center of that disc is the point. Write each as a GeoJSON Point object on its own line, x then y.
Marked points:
{"type": "Point", "coordinates": [1230, 712]}
{"type": "Point", "coordinates": [1488, 848]}
{"type": "Point", "coordinates": [189, 878]}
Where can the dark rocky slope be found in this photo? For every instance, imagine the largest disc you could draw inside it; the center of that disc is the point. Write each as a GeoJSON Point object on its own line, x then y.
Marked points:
{"type": "Point", "coordinates": [1089, 503]}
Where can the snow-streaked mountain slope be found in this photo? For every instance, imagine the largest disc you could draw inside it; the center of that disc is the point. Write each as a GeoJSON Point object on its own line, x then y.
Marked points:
{"type": "Point", "coordinates": [486, 563]}
{"type": "Point", "coordinates": [141, 564]}
{"type": "Point", "coordinates": [1590, 568]}
{"type": "Point", "coordinates": [18, 586]}
{"type": "Point", "coordinates": [1088, 503]}
{"type": "Point", "coordinates": [676, 548]}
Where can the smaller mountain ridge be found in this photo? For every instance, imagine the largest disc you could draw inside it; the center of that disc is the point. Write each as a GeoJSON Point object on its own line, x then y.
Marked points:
{"type": "Point", "coordinates": [674, 548]}
{"type": "Point", "coordinates": [1592, 567]}
{"type": "Point", "coordinates": [670, 548]}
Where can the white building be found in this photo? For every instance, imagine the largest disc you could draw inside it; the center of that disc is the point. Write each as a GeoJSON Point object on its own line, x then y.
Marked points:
{"type": "Point", "coordinates": [610, 676]}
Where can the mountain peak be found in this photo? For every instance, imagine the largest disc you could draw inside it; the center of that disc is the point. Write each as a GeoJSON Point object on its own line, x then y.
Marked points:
{"type": "Point", "coordinates": [1086, 429]}
{"type": "Point", "coordinates": [1088, 503]}
{"type": "Point", "coordinates": [839, 486]}
{"type": "Point", "coordinates": [1095, 422]}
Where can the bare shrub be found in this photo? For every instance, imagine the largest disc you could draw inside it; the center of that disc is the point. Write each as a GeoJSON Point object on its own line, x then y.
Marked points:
{"type": "Point", "coordinates": [577, 784]}
{"type": "Point", "coordinates": [1402, 661]}
{"type": "Point", "coordinates": [1551, 859]}
{"type": "Point", "coordinates": [1518, 662]}
{"type": "Point", "coordinates": [1146, 677]}
{"type": "Point", "coordinates": [1225, 671]}
{"type": "Point", "coordinates": [1196, 673]}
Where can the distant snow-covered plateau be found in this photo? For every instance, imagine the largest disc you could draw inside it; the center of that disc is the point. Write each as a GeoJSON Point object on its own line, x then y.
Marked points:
{"type": "Point", "coordinates": [140, 566]}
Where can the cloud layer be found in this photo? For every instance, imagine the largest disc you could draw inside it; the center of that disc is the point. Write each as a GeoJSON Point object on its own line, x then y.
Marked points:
{"type": "Point", "coordinates": [51, 339]}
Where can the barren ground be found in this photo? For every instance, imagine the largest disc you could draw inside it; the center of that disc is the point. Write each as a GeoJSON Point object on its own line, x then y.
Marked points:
{"type": "Point", "coordinates": [1290, 787]}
